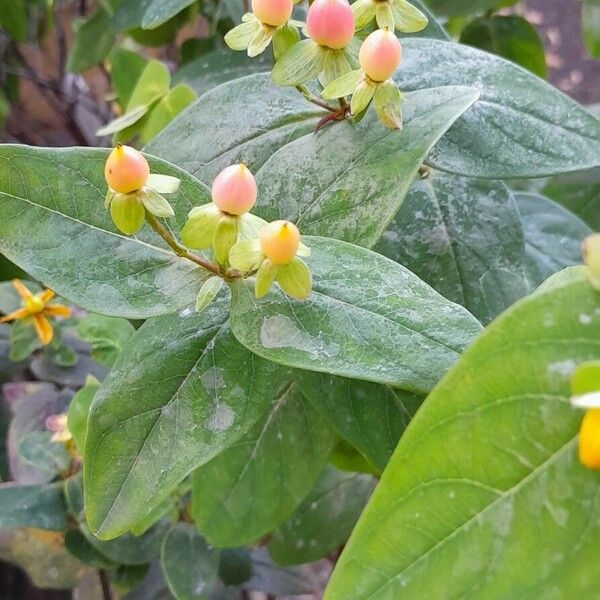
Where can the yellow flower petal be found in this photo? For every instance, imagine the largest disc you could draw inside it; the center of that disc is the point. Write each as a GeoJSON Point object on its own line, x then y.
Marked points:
{"type": "Point", "coordinates": [57, 310]}
{"type": "Point", "coordinates": [21, 313]}
{"type": "Point", "coordinates": [589, 439]}
{"type": "Point", "coordinates": [44, 329]}
{"type": "Point", "coordinates": [46, 296]}
{"type": "Point", "coordinates": [21, 289]}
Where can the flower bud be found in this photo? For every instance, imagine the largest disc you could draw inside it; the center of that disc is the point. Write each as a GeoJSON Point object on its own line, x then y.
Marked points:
{"type": "Point", "coordinates": [380, 55]}
{"type": "Point", "coordinates": [589, 440]}
{"type": "Point", "coordinates": [330, 23]}
{"type": "Point", "coordinates": [280, 241]}
{"type": "Point", "coordinates": [234, 190]}
{"type": "Point", "coordinates": [273, 12]}
{"type": "Point", "coordinates": [126, 170]}
{"type": "Point", "coordinates": [591, 257]}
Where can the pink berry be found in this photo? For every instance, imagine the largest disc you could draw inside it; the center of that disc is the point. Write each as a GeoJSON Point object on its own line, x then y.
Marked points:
{"type": "Point", "coordinates": [273, 12]}
{"type": "Point", "coordinates": [330, 23]}
{"type": "Point", "coordinates": [380, 55]}
{"type": "Point", "coordinates": [234, 190]}
{"type": "Point", "coordinates": [126, 170]}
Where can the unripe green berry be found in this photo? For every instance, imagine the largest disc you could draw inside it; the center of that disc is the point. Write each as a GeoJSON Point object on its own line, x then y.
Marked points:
{"type": "Point", "coordinates": [234, 190]}
{"type": "Point", "coordinates": [273, 12]}
{"type": "Point", "coordinates": [280, 241]}
{"type": "Point", "coordinates": [330, 23]}
{"type": "Point", "coordinates": [126, 170]}
{"type": "Point", "coordinates": [380, 55]}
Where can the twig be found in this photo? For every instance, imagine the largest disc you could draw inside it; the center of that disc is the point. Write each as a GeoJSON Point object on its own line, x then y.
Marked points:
{"type": "Point", "coordinates": [306, 93]}
{"type": "Point", "coordinates": [105, 584]}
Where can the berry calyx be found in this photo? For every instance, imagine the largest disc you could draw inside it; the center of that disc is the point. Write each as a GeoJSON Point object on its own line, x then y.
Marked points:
{"type": "Point", "coordinates": [234, 190]}
{"type": "Point", "coordinates": [126, 170]}
{"type": "Point", "coordinates": [380, 55]}
{"type": "Point", "coordinates": [589, 439]}
{"type": "Point", "coordinates": [273, 12]}
{"type": "Point", "coordinates": [330, 23]}
{"type": "Point", "coordinates": [280, 241]}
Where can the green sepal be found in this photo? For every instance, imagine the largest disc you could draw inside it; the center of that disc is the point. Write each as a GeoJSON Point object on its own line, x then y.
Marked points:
{"type": "Point", "coordinates": [362, 96]}
{"type": "Point", "coordinates": [240, 37]}
{"type": "Point", "coordinates": [364, 12]}
{"type": "Point", "coordinates": [127, 212]}
{"type": "Point", "coordinates": [261, 40]}
{"type": "Point", "coordinates": [285, 37]}
{"type": "Point", "coordinates": [385, 16]}
{"type": "Point", "coordinates": [199, 231]}
{"type": "Point", "coordinates": [295, 279]}
{"type": "Point", "coordinates": [163, 184]}
{"type": "Point", "coordinates": [303, 250]}
{"type": "Point", "coordinates": [226, 234]}
{"type": "Point", "coordinates": [388, 104]}
{"type": "Point", "coordinates": [265, 277]}
{"type": "Point", "coordinates": [250, 226]}
{"type": "Point", "coordinates": [408, 18]}
{"type": "Point", "coordinates": [246, 256]}
{"type": "Point", "coordinates": [343, 86]}
{"type": "Point", "coordinates": [156, 204]}
{"type": "Point", "coordinates": [335, 65]}
{"type": "Point", "coordinates": [108, 198]}
{"type": "Point", "coordinates": [208, 292]}
{"type": "Point", "coordinates": [301, 63]}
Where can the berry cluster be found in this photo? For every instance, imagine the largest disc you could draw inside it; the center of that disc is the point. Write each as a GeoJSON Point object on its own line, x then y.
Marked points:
{"type": "Point", "coordinates": [340, 50]}
{"type": "Point", "coordinates": [243, 245]}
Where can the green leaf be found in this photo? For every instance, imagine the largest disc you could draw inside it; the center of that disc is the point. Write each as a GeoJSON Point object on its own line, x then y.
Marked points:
{"type": "Point", "coordinates": [160, 11]}
{"type": "Point", "coordinates": [369, 416]}
{"type": "Point", "coordinates": [190, 566]}
{"type": "Point", "coordinates": [235, 566]}
{"type": "Point", "coordinates": [521, 126]}
{"type": "Point", "coordinates": [106, 335]}
{"type": "Point", "coordinates": [37, 449]}
{"type": "Point", "coordinates": [590, 21]}
{"type": "Point", "coordinates": [256, 484]}
{"type": "Point", "coordinates": [23, 340]}
{"type": "Point", "coordinates": [125, 67]}
{"type": "Point", "coordinates": [13, 19]}
{"type": "Point", "coordinates": [153, 84]}
{"type": "Point", "coordinates": [39, 506]}
{"type": "Point", "coordinates": [124, 121]}
{"type": "Point", "coordinates": [78, 413]}
{"type": "Point", "coordinates": [220, 66]}
{"type": "Point", "coordinates": [324, 520]}
{"type": "Point", "coordinates": [187, 400]}
{"type": "Point", "coordinates": [451, 8]}
{"type": "Point", "coordinates": [77, 544]}
{"type": "Point", "coordinates": [510, 36]}
{"type": "Point", "coordinates": [166, 110]}
{"type": "Point", "coordinates": [553, 237]}
{"type": "Point", "coordinates": [375, 320]}
{"type": "Point", "coordinates": [464, 238]}
{"type": "Point", "coordinates": [94, 39]}
{"type": "Point", "coordinates": [485, 488]}
{"type": "Point", "coordinates": [579, 193]}
{"type": "Point", "coordinates": [76, 249]}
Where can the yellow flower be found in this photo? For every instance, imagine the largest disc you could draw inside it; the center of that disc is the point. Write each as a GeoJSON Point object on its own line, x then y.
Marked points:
{"type": "Point", "coordinates": [589, 439]}
{"type": "Point", "coordinates": [36, 307]}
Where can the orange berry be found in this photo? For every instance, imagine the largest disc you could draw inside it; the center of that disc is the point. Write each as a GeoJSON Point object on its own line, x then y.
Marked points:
{"type": "Point", "coordinates": [589, 439]}
{"type": "Point", "coordinates": [234, 190]}
{"type": "Point", "coordinates": [273, 12]}
{"type": "Point", "coordinates": [330, 23]}
{"type": "Point", "coordinates": [126, 170]}
{"type": "Point", "coordinates": [280, 241]}
{"type": "Point", "coordinates": [380, 55]}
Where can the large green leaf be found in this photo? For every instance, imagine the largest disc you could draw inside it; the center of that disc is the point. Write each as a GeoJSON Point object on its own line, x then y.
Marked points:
{"type": "Point", "coordinates": [370, 416]}
{"type": "Point", "coordinates": [189, 564]}
{"type": "Point", "coordinates": [433, 29]}
{"type": "Point", "coordinates": [372, 319]}
{"type": "Point", "coordinates": [220, 66]}
{"type": "Point", "coordinates": [580, 193]}
{"type": "Point", "coordinates": [553, 236]}
{"type": "Point", "coordinates": [461, 7]}
{"type": "Point", "coordinates": [463, 237]}
{"type": "Point", "coordinates": [182, 391]}
{"type": "Point", "coordinates": [324, 520]}
{"type": "Point", "coordinates": [13, 19]}
{"type": "Point", "coordinates": [353, 177]}
{"type": "Point", "coordinates": [485, 489]}
{"type": "Point", "coordinates": [160, 11]}
{"type": "Point", "coordinates": [39, 506]}
{"type": "Point", "coordinates": [257, 483]}
{"type": "Point", "coordinates": [54, 225]}
{"type": "Point", "coordinates": [521, 126]}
